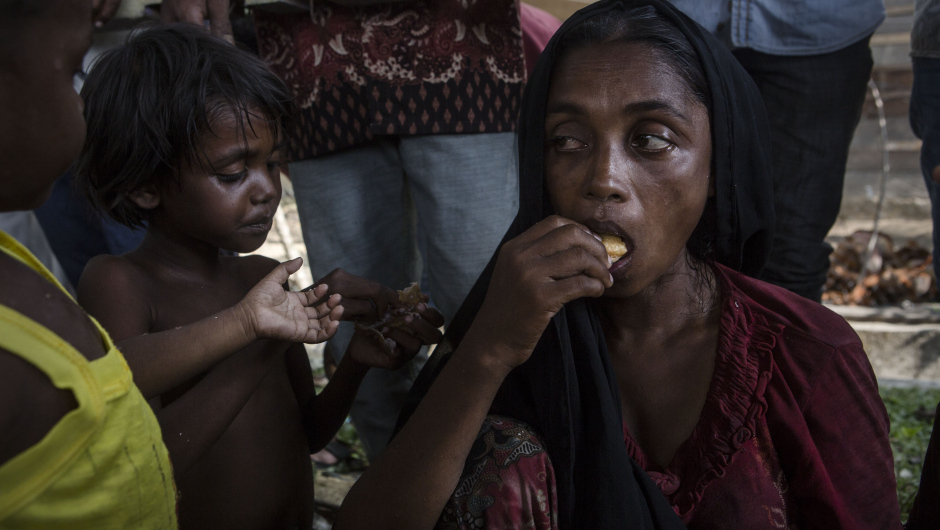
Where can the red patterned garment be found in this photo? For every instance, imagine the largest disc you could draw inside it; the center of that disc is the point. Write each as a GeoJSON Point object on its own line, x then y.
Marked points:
{"type": "Point", "coordinates": [793, 433]}
{"type": "Point", "coordinates": [424, 67]}
{"type": "Point", "coordinates": [507, 482]}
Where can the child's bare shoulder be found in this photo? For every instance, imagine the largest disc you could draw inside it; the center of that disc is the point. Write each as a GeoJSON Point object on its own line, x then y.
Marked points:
{"type": "Point", "coordinates": [108, 276]}
{"type": "Point", "coordinates": [254, 267]}
{"type": "Point", "coordinates": [114, 290]}
{"type": "Point", "coordinates": [34, 297]}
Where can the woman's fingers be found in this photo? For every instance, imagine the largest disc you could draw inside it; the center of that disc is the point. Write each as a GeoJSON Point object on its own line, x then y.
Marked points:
{"type": "Point", "coordinates": [569, 236]}
{"type": "Point", "coordinates": [360, 309]}
{"type": "Point", "coordinates": [574, 261]}
{"type": "Point", "coordinates": [421, 329]}
{"type": "Point", "coordinates": [575, 287]}
{"type": "Point", "coordinates": [547, 225]}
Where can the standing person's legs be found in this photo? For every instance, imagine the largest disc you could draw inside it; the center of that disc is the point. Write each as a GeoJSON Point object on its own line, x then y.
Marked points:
{"type": "Point", "coordinates": [814, 103]}
{"type": "Point", "coordinates": [354, 216]}
{"type": "Point", "coordinates": [466, 192]}
{"type": "Point", "coordinates": [925, 122]}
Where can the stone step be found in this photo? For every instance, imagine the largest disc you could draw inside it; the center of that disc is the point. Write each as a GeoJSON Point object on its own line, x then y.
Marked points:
{"type": "Point", "coordinates": [901, 343]}
{"type": "Point", "coordinates": [905, 197]}
{"type": "Point", "coordinates": [902, 351]}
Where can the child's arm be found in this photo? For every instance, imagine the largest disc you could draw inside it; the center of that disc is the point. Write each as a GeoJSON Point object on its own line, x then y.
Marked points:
{"type": "Point", "coordinates": [325, 413]}
{"type": "Point", "coordinates": [161, 361]}
{"type": "Point", "coordinates": [364, 300]}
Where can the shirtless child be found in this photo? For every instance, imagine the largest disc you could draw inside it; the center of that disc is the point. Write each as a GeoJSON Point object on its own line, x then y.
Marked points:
{"type": "Point", "coordinates": [79, 448]}
{"type": "Point", "coordinates": [186, 136]}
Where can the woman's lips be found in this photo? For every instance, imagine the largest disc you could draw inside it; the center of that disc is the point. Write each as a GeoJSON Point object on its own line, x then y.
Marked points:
{"type": "Point", "coordinates": [621, 264]}
{"type": "Point", "coordinates": [622, 256]}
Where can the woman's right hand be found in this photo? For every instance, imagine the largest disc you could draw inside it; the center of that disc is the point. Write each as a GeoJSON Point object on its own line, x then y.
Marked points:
{"type": "Point", "coordinates": [552, 263]}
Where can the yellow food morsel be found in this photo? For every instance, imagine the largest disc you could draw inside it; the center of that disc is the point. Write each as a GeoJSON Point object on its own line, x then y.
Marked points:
{"type": "Point", "coordinates": [614, 245]}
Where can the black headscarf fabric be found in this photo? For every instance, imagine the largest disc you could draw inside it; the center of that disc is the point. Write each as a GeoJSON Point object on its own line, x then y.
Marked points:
{"type": "Point", "coordinates": [567, 390]}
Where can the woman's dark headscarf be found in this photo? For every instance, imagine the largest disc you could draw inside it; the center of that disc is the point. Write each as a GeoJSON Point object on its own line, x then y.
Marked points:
{"type": "Point", "coordinates": [567, 390]}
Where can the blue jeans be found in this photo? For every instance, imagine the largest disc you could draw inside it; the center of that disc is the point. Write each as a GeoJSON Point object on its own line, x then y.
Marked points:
{"type": "Point", "coordinates": [814, 104]}
{"type": "Point", "coordinates": [925, 122]}
{"type": "Point", "coordinates": [370, 209]}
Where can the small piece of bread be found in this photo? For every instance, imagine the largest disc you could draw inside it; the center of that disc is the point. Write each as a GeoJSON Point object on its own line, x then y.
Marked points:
{"type": "Point", "coordinates": [394, 316]}
{"type": "Point", "coordinates": [614, 245]}
{"type": "Point", "coordinates": [411, 296]}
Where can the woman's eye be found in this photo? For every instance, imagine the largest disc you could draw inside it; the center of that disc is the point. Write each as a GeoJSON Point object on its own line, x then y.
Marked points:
{"type": "Point", "coordinates": [567, 143]}
{"type": "Point", "coordinates": [231, 177]}
{"type": "Point", "coordinates": [648, 142]}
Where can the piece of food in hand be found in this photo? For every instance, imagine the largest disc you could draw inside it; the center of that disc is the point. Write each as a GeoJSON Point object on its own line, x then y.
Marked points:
{"type": "Point", "coordinates": [411, 296]}
{"type": "Point", "coordinates": [394, 316]}
{"type": "Point", "coordinates": [615, 246]}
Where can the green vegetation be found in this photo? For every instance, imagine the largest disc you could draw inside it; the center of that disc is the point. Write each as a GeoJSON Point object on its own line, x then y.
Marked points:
{"type": "Point", "coordinates": [911, 411]}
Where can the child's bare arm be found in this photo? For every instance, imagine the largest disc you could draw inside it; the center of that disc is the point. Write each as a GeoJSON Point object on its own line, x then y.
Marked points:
{"type": "Point", "coordinates": [324, 413]}
{"type": "Point", "coordinates": [161, 361]}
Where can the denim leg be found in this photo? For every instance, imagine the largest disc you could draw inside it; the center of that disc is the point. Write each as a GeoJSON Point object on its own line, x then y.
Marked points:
{"type": "Point", "coordinates": [814, 104]}
{"type": "Point", "coordinates": [925, 122]}
{"type": "Point", "coordinates": [466, 193]}
{"type": "Point", "coordinates": [354, 215]}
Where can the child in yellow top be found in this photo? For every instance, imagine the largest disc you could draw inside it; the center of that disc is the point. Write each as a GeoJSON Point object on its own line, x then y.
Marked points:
{"type": "Point", "coordinates": [79, 448]}
{"type": "Point", "coordinates": [186, 136]}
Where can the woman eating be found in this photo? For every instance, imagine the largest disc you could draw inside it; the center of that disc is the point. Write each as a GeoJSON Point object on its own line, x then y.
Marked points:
{"type": "Point", "coordinates": [667, 387]}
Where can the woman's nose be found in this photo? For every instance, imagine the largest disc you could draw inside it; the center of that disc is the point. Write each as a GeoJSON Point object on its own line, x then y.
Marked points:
{"type": "Point", "coordinates": [606, 180]}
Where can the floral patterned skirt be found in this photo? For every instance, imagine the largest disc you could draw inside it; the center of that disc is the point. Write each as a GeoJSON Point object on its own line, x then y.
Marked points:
{"type": "Point", "coordinates": [507, 482]}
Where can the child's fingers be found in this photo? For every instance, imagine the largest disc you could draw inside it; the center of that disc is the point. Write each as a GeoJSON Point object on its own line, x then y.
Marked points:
{"type": "Point", "coordinates": [315, 293]}
{"type": "Point", "coordinates": [282, 272]}
{"type": "Point", "coordinates": [293, 265]}
{"type": "Point", "coordinates": [329, 331]}
{"type": "Point", "coordinates": [323, 327]}
{"type": "Point", "coordinates": [334, 312]}
{"type": "Point", "coordinates": [316, 336]}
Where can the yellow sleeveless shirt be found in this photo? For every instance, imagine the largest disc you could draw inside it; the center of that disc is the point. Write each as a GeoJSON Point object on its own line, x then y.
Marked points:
{"type": "Point", "coordinates": [103, 465]}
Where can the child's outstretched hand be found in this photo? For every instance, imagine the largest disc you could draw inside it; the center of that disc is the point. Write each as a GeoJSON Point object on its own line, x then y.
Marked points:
{"type": "Point", "coordinates": [273, 312]}
{"type": "Point", "coordinates": [367, 347]}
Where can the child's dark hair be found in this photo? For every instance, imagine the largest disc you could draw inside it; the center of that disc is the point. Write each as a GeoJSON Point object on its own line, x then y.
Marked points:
{"type": "Point", "coordinates": [148, 102]}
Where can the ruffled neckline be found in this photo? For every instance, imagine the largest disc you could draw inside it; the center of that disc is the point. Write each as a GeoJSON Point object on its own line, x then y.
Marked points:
{"type": "Point", "coordinates": [733, 405]}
